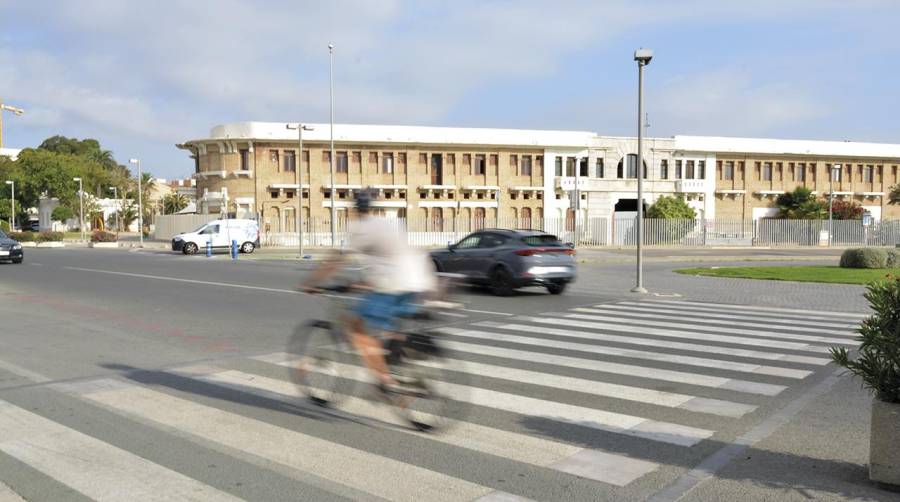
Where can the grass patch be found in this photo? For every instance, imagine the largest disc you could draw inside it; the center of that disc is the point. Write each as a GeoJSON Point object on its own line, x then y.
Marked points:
{"type": "Point", "coordinates": [828, 274]}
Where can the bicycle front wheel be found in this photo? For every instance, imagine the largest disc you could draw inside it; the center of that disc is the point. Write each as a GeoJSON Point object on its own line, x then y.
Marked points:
{"type": "Point", "coordinates": [320, 355]}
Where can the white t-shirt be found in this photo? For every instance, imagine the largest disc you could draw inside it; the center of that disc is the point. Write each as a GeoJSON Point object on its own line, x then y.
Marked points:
{"type": "Point", "coordinates": [390, 264]}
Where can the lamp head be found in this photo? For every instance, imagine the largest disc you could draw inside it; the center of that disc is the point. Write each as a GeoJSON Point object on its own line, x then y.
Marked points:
{"type": "Point", "coordinates": [10, 182]}
{"type": "Point", "coordinates": [76, 179]}
{"type": "Point", "coordinates": [643, 56]}
{"type": "Point", "coordinates": [133, 161]}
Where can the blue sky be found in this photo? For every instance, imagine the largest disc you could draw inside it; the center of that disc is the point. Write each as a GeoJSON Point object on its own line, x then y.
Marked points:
{"type": "Point", "coordinates": [142, 76]}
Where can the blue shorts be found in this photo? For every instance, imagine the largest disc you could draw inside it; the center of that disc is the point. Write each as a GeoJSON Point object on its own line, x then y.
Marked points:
{"type": "Point", "coordinates": [381, 310]}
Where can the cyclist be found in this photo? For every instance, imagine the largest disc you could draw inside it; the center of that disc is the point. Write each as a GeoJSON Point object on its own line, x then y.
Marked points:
{"type": "Point", "coordinates": [395, 275]}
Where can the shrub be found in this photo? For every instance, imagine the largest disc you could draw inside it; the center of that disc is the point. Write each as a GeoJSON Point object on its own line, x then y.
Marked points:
{"type": "Point", "coordinates": [878, 361]}
{"type": "Point", "coordinates": [101, 236]}
{"type": "Point", "coordinates": [4, 225]}
{"type": "Point", "coordinates": [22, 236]}
{"type": "Point", "coordinates": [864, 258]}
{"type": "Point", "coordinates": [61, 213]}
{"type": "Point", "coordinates": [893, 258]}
{"type": "Point", "coordinates": [49, 237]}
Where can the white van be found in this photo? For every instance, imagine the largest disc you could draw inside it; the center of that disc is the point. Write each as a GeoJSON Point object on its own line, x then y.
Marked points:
{"type": "Point", "coordinates": [220, 233]}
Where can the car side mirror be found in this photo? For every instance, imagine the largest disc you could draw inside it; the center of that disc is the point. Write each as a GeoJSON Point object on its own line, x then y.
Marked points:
{"type": "Point", "coordinates": [451, 248]}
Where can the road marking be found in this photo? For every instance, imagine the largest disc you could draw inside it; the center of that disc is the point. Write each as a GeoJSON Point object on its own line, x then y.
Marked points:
{"type": "Point", "coordinates": [24, 372]}
{"type": "Point", "coordinates": [651, 342]}
{"type": "Point", "coordinates": [607, 421]}
{"type": "Point", "coordinates": [737, 331]}
{"type": "Point", "coordinates": [8, 495]}
{"type": "Point", "coordinates": [724, 307]}
{"type": "Point", "coordinates": [487, 312]}
{"type": "Point", "coordinates": [497, 442]}
{"type": "Point", "coordinates": [713, 313]}
{"type": "Point", "coordinates": [618, 368]}
{"type": "Point", "coordinates": [308, 454]}
{"type": "Point", "coordinates": [634, 354]}
{"type": "Point", "coordinates": [687, 335]}
{"type": "Point", "coordinates": [684, 316]}
{"type": "Point", "coordinates": [90, 466]}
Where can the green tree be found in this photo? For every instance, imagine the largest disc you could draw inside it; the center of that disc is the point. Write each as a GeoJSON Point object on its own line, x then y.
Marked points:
{"type": "Point", "coordinates": [894, 195]}
{"type": "Point", "coordinates": [800, 204]}
{"type": "Point", "coordinates": [174, 202]}
{"type": "Point", "coordinates": [671, 208]}
{"type": "Point", "coordinates": [62, 213]}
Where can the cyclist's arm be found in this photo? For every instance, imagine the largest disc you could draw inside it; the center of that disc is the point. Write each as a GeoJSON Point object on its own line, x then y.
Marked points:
{"type": "Point", "coordinates": [324, 272]}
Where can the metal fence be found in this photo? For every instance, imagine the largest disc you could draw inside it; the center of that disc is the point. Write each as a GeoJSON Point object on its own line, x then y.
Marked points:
{"type": "Point", "coordinates": [592, 232]}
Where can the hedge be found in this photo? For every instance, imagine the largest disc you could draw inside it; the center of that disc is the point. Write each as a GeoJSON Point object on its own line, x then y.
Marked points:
{"type": "Point", "coordinates": [864, 258]}
{"type": "Point", "coordinates": [101, 236]}
{"type": "Point", "coordinates": [893, 258]}
{"type": "Point", "coordinates": [22, 236]}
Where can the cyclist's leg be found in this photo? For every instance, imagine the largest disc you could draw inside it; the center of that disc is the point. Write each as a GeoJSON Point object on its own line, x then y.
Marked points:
{"type": "Point", "coordinates": [371, 349]}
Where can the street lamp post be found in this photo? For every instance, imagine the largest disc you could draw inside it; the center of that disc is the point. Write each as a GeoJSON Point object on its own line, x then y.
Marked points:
{"type": "Point", "coordinates": [835, 170]}
{"type": "Point", "coordinates": [80, 207]}
{"type": "Point", "coordinates": [12, 211]}
{"type": "Point", "coordinates": [331, 157]}
{"type": "Point", "coordinates": [140, 202]}
{"type": "Point", "coordinates": [299, 167]}
{"type": "Point", "coordinates": [118, 209]}
{"type": "Point", "coordinates": [643, 57]}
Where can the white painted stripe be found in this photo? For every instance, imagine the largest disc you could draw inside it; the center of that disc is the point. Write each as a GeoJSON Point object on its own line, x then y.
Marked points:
{"type": "Point", "coordinates": [724, 306]}
{"type": "Point", "coordinates": [7, 494]}
{"type": "Point", "coordinates": [684, 316]}
{"type": "Point", "coordinates": [90, 466]}
{"type": "Point", "coordinates": [634, 354]}
{"type": "Point", "coordinates": [716, 313]}
{"type": "Point", "coordinates": [617, 423]}
{"type": "Point", "coordinates": [652, 342]}
{"type": "Point", "coordinates": [364, 471]}
{"type": "Point", "coordinates": [718, 329]}
{"type": "Point", "coordinates": [497, 442]}
{"type": "Point", "coordinates": [689, 335]}
{"type": "Point", "coordinates": [624, 392]}
{"type": "Point", "coordinates": [23, 372]}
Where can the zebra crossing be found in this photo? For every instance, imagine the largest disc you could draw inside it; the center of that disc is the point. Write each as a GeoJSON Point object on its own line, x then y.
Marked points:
{"type": "Point", "coordinates": [603, 401]}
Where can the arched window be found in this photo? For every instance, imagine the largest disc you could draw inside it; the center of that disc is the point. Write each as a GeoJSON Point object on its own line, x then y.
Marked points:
{"type": "Point", "coordinates": [437, 220]}
{"type": "Point", "coordinates": [570, 219]}
{"type": "Point", "coordinates": [526, 217]}
{"type": "Point", "coordinates": [629, 169]}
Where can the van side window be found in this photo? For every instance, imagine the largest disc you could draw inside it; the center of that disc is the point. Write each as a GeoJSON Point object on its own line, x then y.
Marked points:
{"type": "Point", "coordinates": [212, 229]}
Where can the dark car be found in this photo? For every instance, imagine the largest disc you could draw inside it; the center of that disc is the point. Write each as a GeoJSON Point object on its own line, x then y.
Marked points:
{"type": "Point", "coordinates": [32, 226]}
{"type": "Point", "coordinates": [510, 259]}
{"type": "Point", "coordinates": [10, 249]}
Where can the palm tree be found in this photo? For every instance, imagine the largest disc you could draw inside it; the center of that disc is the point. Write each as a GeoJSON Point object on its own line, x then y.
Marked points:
{"type": "Point", "coordinates": [174, 202]}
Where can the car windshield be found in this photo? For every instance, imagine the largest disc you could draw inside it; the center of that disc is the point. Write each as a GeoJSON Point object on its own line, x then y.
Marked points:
{"type": "Point", "coordinates": [200, 228]}
{"type": "Point", "coordinates": [542, 240]}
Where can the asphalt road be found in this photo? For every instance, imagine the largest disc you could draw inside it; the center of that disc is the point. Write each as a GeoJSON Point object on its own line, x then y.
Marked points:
{"type": "Point", "coordinates": [146, 375]}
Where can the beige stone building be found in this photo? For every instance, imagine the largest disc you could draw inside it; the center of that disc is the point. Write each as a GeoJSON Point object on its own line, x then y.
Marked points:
{"type": "Point", "coordinates": [434, 175]}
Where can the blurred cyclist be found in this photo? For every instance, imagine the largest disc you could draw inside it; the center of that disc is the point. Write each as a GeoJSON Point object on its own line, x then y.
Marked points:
{"type": "Point", "coordinates": [395, 275]}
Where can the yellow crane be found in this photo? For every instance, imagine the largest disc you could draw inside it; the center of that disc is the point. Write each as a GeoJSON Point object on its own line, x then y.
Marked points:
{"type": "Point", "coordinates": [9, 108]}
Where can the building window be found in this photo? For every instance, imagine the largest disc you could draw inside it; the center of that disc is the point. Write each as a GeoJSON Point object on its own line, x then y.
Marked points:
{"type": "Point", "coordinates": [437, 169]}
{"type": "Point", "coordinates": [557, 170]}
{"type": "Point", "coordinates": [598, 168]}
{"type": "Point", "coordinates": [401, 160]}
{"type": "Point", "coordinates": [274, 194]}
{"type": "Point", "coordinates": [290, 161]}
{"type": "Point", "coordinates": [387, 163]}
{"type": "Point", "coordinates": [742, 170]}
{"type": "Point", "coordinates": [728, 171]}
{"type": "Point", "coordinates": [869, 174]}
{"type": "Point", "coordinates": [767, 171]}
{"type": "Point", "coordinates": [835, 173]}
{"type": "Point", "coordinates": [478, 167]}
{"type": "Point", "coordinates": [514, 164]}
{"type": "Point", "coordinates": [526, 165]}
{"type": "Point", "coordinates": [373, 159]}
{"type": "Point", "coordinates": [800, 172]}
{"type": "Point", "coordinates": [289, 194]}
{"type": "Point", "coordinates": [583, 168]}
{"type": "Point", "coordinates": [305, 158]}
{"type": "Point", "coordinates": [341, 164]}
{"type": "Point", "coordinates": [423, 160]}
{"type": "Point", "coordinates": [689, 170]}
{"type": "Point", "coordinates": [664, 169]}
{"type": "Point", "coordinates": [479, 218]}
{"type": "Point", "coordinates": [678, 172]}
{"type": "Point", "coordinates": [437, 219]}
{"type": "Point", "coordinates": [539, 162]}
{"type": "Point", "coordinates": [780, 169]}
{"type": "Point", "coordinates": [701, 169]}
{"type": "Point", "coordinates": [570, 166]}
{"type": "Point", "coordinates": [273, 157]}
{"type": "Point", "coordinates": [245, 160]}
{"type": "Point", "coordinates": [526, 217]}
{"type": "Point", "coordinates": [451, 163]}
{"type": "Point", "coordinates": [467, 162]}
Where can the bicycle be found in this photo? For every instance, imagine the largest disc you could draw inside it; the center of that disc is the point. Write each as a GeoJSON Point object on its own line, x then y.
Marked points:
{"type": "Point", "coordinates": [329, 367]}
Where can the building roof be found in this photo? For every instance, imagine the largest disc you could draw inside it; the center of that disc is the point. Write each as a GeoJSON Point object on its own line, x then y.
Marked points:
{"type": "Point", "coordinates": [269, 131]}
{"type": "Point", "coordinates": [721, 144]}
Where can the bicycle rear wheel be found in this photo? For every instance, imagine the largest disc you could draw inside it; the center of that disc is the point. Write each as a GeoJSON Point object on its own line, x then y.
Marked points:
{"type": "Point", "coordinates": [430, 402]}
{"type": "Point", "coordinates": [320, 353]}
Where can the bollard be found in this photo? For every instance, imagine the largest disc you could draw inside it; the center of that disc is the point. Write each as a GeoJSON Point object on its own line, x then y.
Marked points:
{"type": "Point", "coordinates": [234, 249]}
{"type": "Point", "coordinates": [209, 248]}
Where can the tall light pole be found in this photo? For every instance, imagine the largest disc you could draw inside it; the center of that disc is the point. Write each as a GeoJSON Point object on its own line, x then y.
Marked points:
{"type": "Point", "coordinates": [9, 108]}
{"type": "Point", "coordinates": [80, 206]}
{"type": "Point", "coordinates": [115, 192]}
{"type": "Point", "coordinates": [12, 212]}
{"type": "Point", "coordinates": [835, 170]}
{"type": "Point", "coordinates": [140, 202]}
{"type": "Point", "coordinates": [643, 57]}
{"type": "Point", "coordinates": [331, 157]}
{"type": "Point", "coordinates": [300, 128]}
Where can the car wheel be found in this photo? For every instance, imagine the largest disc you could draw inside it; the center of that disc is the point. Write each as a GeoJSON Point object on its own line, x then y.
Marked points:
{"type": "Point", "coordinates": [501, 282]}
{"type": "Point", "coordinates": [190, 248]}
{"type": "Point", "coordinates": [556, 288]}
{"type": "Point", "coordinates": [247, 247]}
